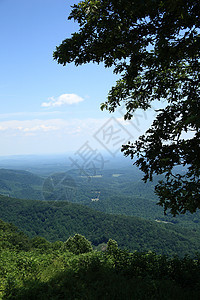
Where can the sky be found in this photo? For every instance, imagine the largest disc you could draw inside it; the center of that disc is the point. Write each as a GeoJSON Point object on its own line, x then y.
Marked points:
{"type": "Point", "coordinates": [47, 108]}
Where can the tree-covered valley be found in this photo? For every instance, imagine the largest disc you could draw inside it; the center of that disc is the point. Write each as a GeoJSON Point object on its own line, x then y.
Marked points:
{"type": "Point", "coordinates": [118, 189]}
{"type": "Point", "coordinates": [113, 205]}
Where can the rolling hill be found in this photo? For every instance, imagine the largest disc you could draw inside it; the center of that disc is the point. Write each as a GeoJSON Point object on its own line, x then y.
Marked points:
{"type": "Point", "coordinates": [20, 184]}
{"type": "Point", "coordinates": [115, 191]}
{"type": "Point", "coordinates": [59, 220]}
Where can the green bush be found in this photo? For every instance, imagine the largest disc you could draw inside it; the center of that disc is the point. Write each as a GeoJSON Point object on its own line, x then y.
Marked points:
{"type": "Point", "coordinates": [78, 244]}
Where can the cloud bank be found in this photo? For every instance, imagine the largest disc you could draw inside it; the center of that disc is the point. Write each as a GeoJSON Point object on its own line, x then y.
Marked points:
{"type": "Point", "coordinates": [64, 99]}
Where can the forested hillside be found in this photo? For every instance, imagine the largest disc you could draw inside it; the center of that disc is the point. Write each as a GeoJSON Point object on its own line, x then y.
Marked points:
{"type": "Point", "coordinates": [115, 191]}
{"type": "Point", "coordinates": [36, 269]}
{"type": "Point", "coordinates": [59, 220]}
{"type": "Point", "coordinates": [20, 183]}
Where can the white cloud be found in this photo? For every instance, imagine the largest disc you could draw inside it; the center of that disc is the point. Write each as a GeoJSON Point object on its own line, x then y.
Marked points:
{"type": "Point", "coordinates": [31, 114]}
{"type": "Point", "coordinates": [69, 127]}
{"type": "Point", "coordinates": [2, 128]}
{"type": "Point", "coordinates": [49, 136]}
{"type": "Point", "coordinates": [30, 125]}
{"type": "Point", "coordinates": [122, 121]}
{"type": "Point", "coordinates": [46, 136]}
{"type": "Point", "coordinates": [64, 99]}
{"type": "Point", "coordinates": [40, 128]}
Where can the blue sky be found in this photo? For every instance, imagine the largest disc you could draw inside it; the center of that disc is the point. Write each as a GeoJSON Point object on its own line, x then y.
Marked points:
{"type": "Point", "coordinates": [45, 107]}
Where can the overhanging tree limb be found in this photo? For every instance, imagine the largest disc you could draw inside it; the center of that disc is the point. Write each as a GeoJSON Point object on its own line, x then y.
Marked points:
{"type": "Point", "coordinates": [155, 46]}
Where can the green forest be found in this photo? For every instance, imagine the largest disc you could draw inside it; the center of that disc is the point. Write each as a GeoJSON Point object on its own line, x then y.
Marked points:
{"type": "Point", "coordinates": [119, 190]}
{"type": "Point", "coordinates": [38, 269]}
{"type": "Point", "coordinates": [65, 219]}
{"type": "Point", "coordinates": [84, 249]}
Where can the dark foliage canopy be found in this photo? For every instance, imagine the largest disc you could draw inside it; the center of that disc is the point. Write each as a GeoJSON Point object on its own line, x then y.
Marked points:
{"type": "Point", "coordinates": [155, 46]}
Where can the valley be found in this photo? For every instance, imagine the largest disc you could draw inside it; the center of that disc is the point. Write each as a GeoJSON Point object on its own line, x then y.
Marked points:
{"type": "Point", "coordinates": [115, 203]}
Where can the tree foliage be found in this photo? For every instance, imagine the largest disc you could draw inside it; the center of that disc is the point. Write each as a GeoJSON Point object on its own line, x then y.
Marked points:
{"type": "Point", "coordinates": [155, 46]}
{"type": "Point", "coordinates": [39, 218]}
{"type": "Point", "coordinates": [78, 244]}
{"type": "Point", "coordinates": [113, 274]}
